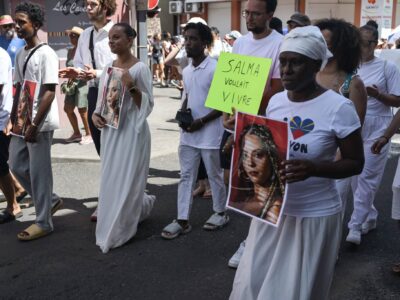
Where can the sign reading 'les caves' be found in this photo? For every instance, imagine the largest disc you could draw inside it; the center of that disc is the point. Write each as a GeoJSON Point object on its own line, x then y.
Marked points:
{"type": "Point", "coordinates": [239, 83]}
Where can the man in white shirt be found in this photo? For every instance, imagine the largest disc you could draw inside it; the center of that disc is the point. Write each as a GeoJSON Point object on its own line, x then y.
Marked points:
{"type": "Point", "coordinates": [201, 138]}
{"type": "Point", "coordinates": [36, 67]}
{"type": "Point", "coordinates": [261, 41]}
{"type": "Point", "coordinates": [13, 211]}
{"type": "Point", "coordinates": [88, 67]}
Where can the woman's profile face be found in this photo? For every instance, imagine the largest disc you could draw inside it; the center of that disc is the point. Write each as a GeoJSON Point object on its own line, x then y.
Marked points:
{"type": "Point", "coordinates": [255, 160]}
{"type": "Point", "coordinates": [113, 93]}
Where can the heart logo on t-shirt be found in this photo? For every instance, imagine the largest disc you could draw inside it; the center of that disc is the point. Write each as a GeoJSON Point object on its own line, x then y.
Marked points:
{"type": "Point", "coordinates": [299, 127]}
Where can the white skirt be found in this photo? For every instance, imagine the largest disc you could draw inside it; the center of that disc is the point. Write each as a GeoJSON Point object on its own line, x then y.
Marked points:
{"type": "Point", "coordinates": [396, 194]}
{"type": "Point", "coordinates": [292, 262]}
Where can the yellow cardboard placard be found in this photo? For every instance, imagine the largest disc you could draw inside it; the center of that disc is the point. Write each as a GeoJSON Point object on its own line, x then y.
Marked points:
{"type": "Point", "coordinates": [239, 83]}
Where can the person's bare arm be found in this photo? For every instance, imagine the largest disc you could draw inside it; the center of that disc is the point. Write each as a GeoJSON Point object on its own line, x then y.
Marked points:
{"type": "Point", "coordinates": [275, 87]}
{"type": "Point", "coordinates": [358, 94]}
{"type": "Point", "coordinates": [44, 107]}
{"type": "Point", "coordinates": [389, 132]}
{"type": "Point", "coordinates": [387, 99]}
{"type": "Point", "coordinates": [170, 59]}
{"type": "Point", "coordinates": [200, 122]}
{"type": "Point", "coordinates": [351, 163]}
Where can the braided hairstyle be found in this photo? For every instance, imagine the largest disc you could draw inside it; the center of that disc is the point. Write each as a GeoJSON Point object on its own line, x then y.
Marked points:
{"type": "Point", "coordinates": [268, 144]}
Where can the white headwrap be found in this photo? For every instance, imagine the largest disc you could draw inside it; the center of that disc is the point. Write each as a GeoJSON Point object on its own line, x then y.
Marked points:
{"type": "Point", "coordinates": [309, 41]}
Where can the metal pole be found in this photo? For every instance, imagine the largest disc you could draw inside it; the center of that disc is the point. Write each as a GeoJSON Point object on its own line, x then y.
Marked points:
{"type": "Point", "coordinates": [142, 36]}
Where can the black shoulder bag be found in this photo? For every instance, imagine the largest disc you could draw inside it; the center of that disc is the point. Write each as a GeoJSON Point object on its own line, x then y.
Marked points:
{"type": "Point", "coordinates": [29, 57]}
{"type": "Point", "coordinates": [91, 48]}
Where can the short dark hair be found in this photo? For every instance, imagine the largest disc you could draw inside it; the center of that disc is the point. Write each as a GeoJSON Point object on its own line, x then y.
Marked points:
{"type": "Point", "coordinates": [346, 43]}
{"type": "Point", "coordinates": [276, 24]}
{"type": "Point", "coordinates": [110, 5]}
{"type": "Point", "coordinates": [373, 24]}
{"type": "Point", "coordinates": [270, 5]}
{"type": "Point", "coordinates": [371, 29]}
{"type": "Point", "coordinates": [203, 30]}
{"type": "Point", "coordinates": [128, 30]}
{"type": "Point", "coordinates": [214, 30]}
{"type": "Point", "coordinates": [33, 11]}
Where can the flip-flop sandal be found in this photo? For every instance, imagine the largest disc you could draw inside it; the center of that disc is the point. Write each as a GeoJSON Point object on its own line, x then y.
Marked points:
{"type": "Point", "coordinates": [6, 216]}
{"type": "Point", "coordinates": [33, 232]}
{"type": "Point", "coordinates": [21, 196]}
{"type": "Point", "coordinates": [57, 206]}
{"type": "Point", "coordinates": [174, 229]}
{"type": "Point", "coordinates": [207, 194]}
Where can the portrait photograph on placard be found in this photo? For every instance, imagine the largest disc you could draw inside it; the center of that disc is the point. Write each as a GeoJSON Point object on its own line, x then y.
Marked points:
{"type": "Point", "coordinates": [112, 97]}
{"type": "Point", "coordinates": [24, 108]}
{"type": "Point", "coordinates": [255, 188]}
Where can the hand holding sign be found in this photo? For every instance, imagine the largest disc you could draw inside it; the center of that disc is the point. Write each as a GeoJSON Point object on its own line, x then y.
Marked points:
{"type": "Point", "coordinates": [238, 82]}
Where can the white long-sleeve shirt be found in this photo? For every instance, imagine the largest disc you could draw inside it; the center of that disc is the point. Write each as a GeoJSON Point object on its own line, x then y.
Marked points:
{"type": "Point", "coordinates": [102, 52]}
{"type": "Point", "coordinates": [6, 100]}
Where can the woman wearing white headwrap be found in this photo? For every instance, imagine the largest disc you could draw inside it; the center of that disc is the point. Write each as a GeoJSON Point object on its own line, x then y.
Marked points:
{"type": "Point", "coordinates": [297, 259]}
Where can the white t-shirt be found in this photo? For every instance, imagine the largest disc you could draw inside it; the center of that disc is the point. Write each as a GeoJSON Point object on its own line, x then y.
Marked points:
{"type": "Point", "coordinates": [216, 49]}
{"type": "Point", "coordinates": [267, 47]}
{"type": "Point", "coordinates": [42, 68]}
{"type": "Point", "coordinates": [197, 82]}
{"type": "Point", "coordinates": [386, 77]}
{"type": "Point", "coordinates": [6, 100]}
{"type": "Point", "coordinates": [314, 126]}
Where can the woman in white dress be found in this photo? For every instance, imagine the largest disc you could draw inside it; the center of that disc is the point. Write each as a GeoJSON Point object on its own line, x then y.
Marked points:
{"type": "Point", "coordinates": [296, 260]}
{"type": "Point", "coordinates": [125, 152]}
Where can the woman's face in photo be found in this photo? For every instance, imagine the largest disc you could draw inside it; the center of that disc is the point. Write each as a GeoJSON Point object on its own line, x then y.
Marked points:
{"type": "Point", "coordinates": [113, 93]}
{"type": "Point", "coordinates": [255, 160]}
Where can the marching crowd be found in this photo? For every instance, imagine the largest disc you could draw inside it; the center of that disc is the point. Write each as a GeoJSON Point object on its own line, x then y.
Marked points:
{"type": "Point", "coordinates": [325, 73]}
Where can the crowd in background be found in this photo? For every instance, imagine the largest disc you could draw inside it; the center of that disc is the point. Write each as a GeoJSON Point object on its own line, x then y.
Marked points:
{"type": "Point", "coordinates": [324, 71]}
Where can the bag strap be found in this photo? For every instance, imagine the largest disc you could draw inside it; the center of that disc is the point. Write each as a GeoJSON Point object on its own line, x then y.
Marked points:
{"type": "Point", "coordinates": [91, 48]}
{"type": "Point", "coordinates": [29, 56]}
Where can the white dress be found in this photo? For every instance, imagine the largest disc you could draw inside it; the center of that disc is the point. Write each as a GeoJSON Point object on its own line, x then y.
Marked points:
{"type": "Point", "coordinates": [125, 158]}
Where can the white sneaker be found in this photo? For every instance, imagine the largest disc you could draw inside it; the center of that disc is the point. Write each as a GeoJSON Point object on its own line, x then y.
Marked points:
{"type": "Point", "coordinates": [368, 226]}
{"type": "Point", "coordinates": [235, 259]}
{"type": "Point", "coordinates": [354, 237]}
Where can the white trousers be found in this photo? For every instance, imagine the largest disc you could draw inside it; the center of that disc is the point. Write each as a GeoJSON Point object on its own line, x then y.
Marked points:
{"type": "Point", "coordinates": [189, 159]}
{"type": "Point", "coordinates": [367, 183]}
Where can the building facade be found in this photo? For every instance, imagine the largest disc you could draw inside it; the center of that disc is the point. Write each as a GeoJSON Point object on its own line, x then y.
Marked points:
{"type": "Point", "coordinates": [226, 15]}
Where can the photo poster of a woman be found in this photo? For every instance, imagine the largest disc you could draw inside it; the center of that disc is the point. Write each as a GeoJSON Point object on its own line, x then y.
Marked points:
{"type": "Point", "coordinates": [24, 108]}
{"type": "Point", "coordinates": [255, 187]}
{"type": "Point", "coordinates": [112, 97]}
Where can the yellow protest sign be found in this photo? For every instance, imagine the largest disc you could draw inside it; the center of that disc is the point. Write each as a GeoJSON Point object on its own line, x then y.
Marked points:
{"type": "Point", "coordinates": [238, 82]}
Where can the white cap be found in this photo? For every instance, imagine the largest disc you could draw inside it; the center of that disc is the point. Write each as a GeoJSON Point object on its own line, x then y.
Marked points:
{"type": "Point", "coordinates": [195, 20]}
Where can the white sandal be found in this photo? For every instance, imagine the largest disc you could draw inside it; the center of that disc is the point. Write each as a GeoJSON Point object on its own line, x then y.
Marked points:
{"type": "Point", "coordinates": [216, 221]}
{"type": "Point", "coordinates": [174, 229]}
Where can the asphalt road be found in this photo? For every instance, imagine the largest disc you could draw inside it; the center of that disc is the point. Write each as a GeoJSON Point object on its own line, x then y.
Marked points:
{"type": "Point", "coordinates": [68, 264]}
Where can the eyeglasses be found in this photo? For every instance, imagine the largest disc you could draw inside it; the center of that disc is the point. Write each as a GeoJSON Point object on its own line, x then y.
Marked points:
{"type": "Point", "coordinates": [254, 14]}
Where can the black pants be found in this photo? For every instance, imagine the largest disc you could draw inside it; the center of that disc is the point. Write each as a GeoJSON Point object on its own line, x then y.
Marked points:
{"type": "Point", "coordinates": [92, 100]}
{"type": "Point", "coordinates": [4, 143]}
